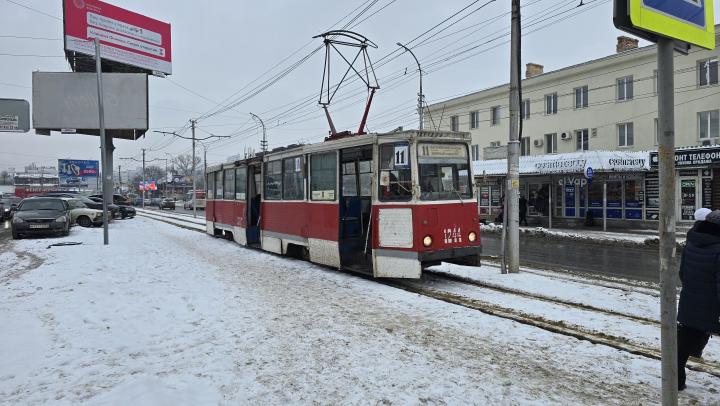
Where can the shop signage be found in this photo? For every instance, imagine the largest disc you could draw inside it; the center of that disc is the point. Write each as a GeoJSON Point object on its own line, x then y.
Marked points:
{"type": "Point", "coordinates": [691, 157]}
{"type": "Point", "coordinates": [626, 164]}
{"type": "Point", "coordinates": [561, 165]}
{"type": "Point", "coordinates": [573, 180]}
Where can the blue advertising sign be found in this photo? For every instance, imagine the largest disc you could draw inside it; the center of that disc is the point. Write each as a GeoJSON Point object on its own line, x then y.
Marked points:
{"type": "Point", "coordinates": [689, 11]}
{"type": "Point", "coordinates": [78, 173]}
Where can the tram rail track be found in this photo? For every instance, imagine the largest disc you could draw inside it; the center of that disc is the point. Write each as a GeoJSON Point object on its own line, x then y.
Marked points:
{"type": "Point", "coordinates": [553, 326]}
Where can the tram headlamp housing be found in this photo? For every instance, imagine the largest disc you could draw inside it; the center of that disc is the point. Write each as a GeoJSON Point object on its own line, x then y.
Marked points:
{"type": "Point", "coordinates": [427, 241]}
{"type": "Point", "coordinates": [472, 236]}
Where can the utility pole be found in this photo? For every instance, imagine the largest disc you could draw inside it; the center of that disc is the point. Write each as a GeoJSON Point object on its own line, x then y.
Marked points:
{"type": "Point", "coordinates": [513, 174]}
{"type": "Point", "coordinates": [668, 281]}
{"type": "Point", "coordinates": [193, 125]}
{"type": "Point", "coordinates": [143, 174]}
{"type": "Point", "coordinates": [263, 143]}
{"type": "Point", "coordinates": [119, 178]}
{"type": "Point", "coordinates": [421, 97]}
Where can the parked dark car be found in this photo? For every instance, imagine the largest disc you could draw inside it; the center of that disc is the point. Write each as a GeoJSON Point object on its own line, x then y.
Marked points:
{"type": "Point", "coordinates": [123, 203]}
{"type": "Point", "coordinates": [118, 199]}
{"type": "Point", "coordinates": [41, 215]}
{"type": "Point", "coordinates": [167, 203]}
{"type": "Point", "coordinates": [93, 204]}
{"type": "Point", "coordinates": [155, 201]}
{"type": "Point", "coordinates": [8, 205]}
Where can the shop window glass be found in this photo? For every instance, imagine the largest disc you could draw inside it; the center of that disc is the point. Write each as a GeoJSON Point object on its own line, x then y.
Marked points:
{"type": "Point", "coordinates": [273, 180]}
{"type": "Point", "coordinates": [557, 201]}
{"type": "Point", "coordinates": [293, 180]}
{"type": "Point", "coordinates": [210, 185]}
{"type": "Point", "coordinates": [229, 188]}
{"type": "Point", "coordinates": [633, 199]}
{"type": "Point", "coordinates": [395, 181]}
{"type": "Point", "coordinates": [240, 183]}
{"type": "Point", "coordinates": [323, 169]}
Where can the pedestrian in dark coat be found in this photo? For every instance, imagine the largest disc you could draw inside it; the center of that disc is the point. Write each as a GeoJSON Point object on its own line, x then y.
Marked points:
{"type": "Point", "coordinates": [699, 308]}
{"type": "Point", "coordinates": [523, 210]}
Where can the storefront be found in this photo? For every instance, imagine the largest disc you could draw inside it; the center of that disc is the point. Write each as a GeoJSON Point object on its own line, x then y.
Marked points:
{"type": "Point", "coordinates": [570, 189]}
{"type": "Point", "coordinates": [695, 184]}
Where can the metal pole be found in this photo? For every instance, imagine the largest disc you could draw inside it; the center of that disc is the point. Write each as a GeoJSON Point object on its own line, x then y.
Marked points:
{"type": "Point", "coordinates": [513, 180]}
{"type": "Point", "coordinates": [107, 195]}
{"type": "Point", "coordinates": [143, 185]}
{"type": "Point", "coordinates": [550, 189]}
{"type": "Point", "coordinates": [194, 202]}
{"type": "Point", "coordinates": [668, 282]}
{"type": "Point", "coordinates": [420, 94]}
{"type": "Point", "coordinates": [604, 205]}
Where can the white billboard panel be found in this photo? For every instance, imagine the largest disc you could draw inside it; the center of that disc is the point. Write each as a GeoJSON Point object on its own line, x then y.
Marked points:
{"type": "Point", "coordinates": [68, 100]}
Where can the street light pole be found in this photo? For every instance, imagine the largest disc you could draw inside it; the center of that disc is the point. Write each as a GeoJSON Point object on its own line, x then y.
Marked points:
{"type": "Point", "coordinates": [263, 143]}
{"type": "Point", "coordinates": [421, 97]}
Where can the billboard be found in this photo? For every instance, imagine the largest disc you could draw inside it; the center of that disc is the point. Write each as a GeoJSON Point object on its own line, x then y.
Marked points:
{"type": "Point", "coordinates": [78, 173]}
{"type": "Point", "coordinates": [125, 36]}
{"type": "Point", "coordinates": [14, 115]}
{"type": "Point", "coordinates": [69, 100]}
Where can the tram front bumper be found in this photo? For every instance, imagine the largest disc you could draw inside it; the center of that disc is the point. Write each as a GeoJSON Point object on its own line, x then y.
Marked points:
{"type": "Point", "coordinates": [450, 253]}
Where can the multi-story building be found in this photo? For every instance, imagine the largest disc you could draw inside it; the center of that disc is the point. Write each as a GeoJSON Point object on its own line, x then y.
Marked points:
{"type": "Point", "coordinates": [607, 104]}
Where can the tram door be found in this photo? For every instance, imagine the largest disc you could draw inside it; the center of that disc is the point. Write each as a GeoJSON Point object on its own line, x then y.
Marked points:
{"type": "Point", "coordinates": [254, 188]}
{"type": "Point", "coordinates": [356, 176]}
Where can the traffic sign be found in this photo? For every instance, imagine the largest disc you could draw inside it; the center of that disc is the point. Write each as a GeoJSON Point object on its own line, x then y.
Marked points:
{"type": "Point", "coordinates": [689, 21]}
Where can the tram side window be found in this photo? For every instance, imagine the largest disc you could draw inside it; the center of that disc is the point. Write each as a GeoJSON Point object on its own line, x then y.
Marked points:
{"type": "Point", "coordinates": [219, 185]}
{"type": "Point", "coordinates": [210, 185]}
{"type": "Point", "coordinates": [293, 180]}
{"type": "Point", "coordinates": [273, 180]}
{"type": "Point", "coordinates": [323, 177]}
{"type": "Point", "coordinates": [395, 180]}
{"type": "Point", "coordinates": [229, 189]}
{"type": "Point", "coordinates": [240, 183]}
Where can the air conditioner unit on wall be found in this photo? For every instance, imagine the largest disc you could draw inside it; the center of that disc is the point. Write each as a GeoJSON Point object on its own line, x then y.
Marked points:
{"type": "Point", "coordinates": [538, 143]}
{"type": "Point", "coordinates": [566, 135]}
{"type": "Point", "coordinates": [593, 132]}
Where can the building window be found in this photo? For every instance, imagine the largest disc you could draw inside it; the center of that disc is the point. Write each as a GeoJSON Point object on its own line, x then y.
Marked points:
{"type": "Point", "coordinates": [495, 115]}
{"type": "Point", "coordinates": [581, 137]}
{"type": "Point", "coordinates": [229, 189]}
{"type": "Point", "coordinates": [625, 135]}
{"type": "Point", "coordinates": [524, 146]}
{"type": "Point", "coordinates": [708, 124]}
{"type": "Point", "coordinates": [525, 109]}
{"type": "Point", "coordinates": [708, 72]}
{"type": "Point", "coordinates": [581, 97]}
{"type": "Point", "coordinates": [625, 88]}
{"type": "Point", "coordinates": [273, 180]}
{"type": "Point", "coordinates": [474, 119]}
{"type": "Point", "coordinates": [454, 123]}
{"type": "Point", "coordinates": [323, 176]}
{"type": "Point", "coordinates": [551, 143]}
{"type": "Point", "coordinates": [551, 103]}
{"type": "Point", "coordinates": [475, 152]}
{"type": "Point", "coordinates": [293, 181]}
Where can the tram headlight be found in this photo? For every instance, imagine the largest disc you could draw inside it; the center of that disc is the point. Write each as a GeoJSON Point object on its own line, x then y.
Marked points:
{"type": "Point", "coordinates": [427, 241]}
{"type": "Point", "coordinates": [472, 236]}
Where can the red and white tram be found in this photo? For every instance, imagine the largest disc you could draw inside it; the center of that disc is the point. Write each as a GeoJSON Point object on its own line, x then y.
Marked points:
{"type": "Point", "coordinates": [386, 204]}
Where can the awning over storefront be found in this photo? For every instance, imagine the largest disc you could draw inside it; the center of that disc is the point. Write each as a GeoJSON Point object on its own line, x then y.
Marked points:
{"type": "Point", "coordinates": [574, 162]}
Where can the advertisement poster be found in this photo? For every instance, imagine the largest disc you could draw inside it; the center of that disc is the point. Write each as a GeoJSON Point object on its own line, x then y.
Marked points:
{"type": "Point", "coordinates": [78, 173]}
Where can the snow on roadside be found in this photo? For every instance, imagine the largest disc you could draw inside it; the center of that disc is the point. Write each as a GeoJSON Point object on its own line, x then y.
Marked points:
{"type": "Point", "coordinates": [165, 315]}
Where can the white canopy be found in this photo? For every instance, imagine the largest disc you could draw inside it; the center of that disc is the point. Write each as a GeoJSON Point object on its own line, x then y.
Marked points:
{"type": "Point", "coordinates": [574, 162]}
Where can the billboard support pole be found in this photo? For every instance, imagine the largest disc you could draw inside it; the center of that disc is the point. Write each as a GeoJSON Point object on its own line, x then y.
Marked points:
{"type": "Point", "coordinates": [107, 194]}
{"type": "Point", "coordinates": [666, 155]}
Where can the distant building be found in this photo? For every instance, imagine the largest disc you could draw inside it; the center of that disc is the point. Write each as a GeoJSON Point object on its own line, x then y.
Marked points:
{"type": "Point", "coordinates": [607, 104]}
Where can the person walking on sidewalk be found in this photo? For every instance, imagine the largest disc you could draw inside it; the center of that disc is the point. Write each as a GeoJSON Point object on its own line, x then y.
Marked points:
{"type": "Point", "coordinates": [699, 307]}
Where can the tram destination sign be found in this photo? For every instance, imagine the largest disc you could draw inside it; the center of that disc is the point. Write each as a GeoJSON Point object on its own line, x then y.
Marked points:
{"type": "Point", "coordinates": [691, 157]}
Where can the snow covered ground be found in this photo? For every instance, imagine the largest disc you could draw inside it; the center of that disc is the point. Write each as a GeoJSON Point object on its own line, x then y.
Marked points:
{"type": "Point", "coordinates": [166, 315]}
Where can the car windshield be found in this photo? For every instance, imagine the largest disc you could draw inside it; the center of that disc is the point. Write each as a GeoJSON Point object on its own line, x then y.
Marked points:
{"type": "Point", "coordinates": [76, 204]}
{"type": "Point", "coordinates": [444, 171]}
{"type": "Point", "coordinates": [41, 204]}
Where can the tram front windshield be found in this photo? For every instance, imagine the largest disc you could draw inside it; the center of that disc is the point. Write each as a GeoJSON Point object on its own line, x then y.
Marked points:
{"type": "Point", "coordinates": [444, 171]}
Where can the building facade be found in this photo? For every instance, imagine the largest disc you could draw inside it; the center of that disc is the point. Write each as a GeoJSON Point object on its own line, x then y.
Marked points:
{"type": "Point", "coordinates": [607, 104]}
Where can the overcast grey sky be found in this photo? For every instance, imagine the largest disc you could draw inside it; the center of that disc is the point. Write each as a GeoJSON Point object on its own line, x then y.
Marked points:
{"type": "Point", "coordinates": [221, 46]}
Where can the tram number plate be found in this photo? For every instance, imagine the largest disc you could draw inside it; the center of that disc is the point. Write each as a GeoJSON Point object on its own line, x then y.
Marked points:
{"type": "Point", "coordinates": [452, 235]}
{"type": "Point", "coordinates": [401, 156]}
{"type": "Point", "coordinates": [39, 226]}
